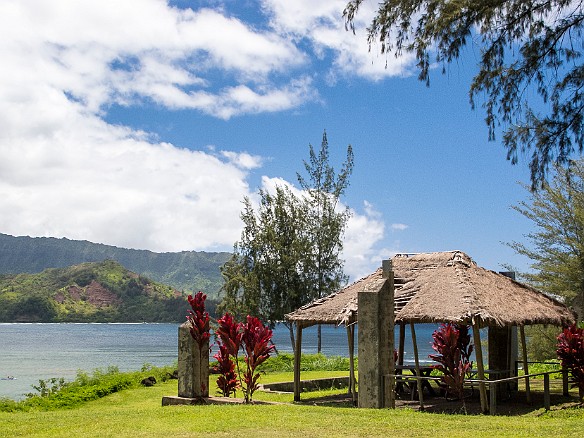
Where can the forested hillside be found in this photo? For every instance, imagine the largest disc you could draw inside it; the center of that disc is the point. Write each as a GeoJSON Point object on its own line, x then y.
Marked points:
{"type": "Point", "coordinates": [89, 292]}
{"type": "Point", "coordinates": [188, 271]}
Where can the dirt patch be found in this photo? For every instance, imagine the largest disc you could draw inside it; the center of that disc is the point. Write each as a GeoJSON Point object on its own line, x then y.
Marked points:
{"type": "Point", "coordinates": [75, 292]}
{"type": "Point", "coordinates": [99, 296]}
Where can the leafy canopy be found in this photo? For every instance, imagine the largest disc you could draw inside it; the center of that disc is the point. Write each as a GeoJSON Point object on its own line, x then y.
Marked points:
{"type": "Point", "coordinates": [529, 70]}
{"type": "Point", "coordinates": [289, 250]}
{"type": "Point", "coordinates": [556, 247]}
{"type": "Point", "coordinates": [326, 221]}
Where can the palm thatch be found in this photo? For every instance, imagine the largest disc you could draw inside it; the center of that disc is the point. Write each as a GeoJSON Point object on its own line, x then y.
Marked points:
{"type": "Point", "coordinates": [440, 287]}
{"type": "Point", "coordinates": [337, 308]}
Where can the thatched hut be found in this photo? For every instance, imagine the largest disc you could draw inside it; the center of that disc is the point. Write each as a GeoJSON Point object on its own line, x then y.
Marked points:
{"type": "Point", "coordinates": [441, 287]}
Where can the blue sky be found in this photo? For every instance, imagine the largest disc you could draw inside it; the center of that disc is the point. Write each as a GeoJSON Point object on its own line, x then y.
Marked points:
{"type": "Point", "coordinates": [143, 124]}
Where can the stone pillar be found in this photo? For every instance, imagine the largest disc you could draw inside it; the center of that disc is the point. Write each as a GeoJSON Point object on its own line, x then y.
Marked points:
{"type": "Point", "coordinates": [193, 365]}
{"type": "Point", "coordinates": [375, 314]}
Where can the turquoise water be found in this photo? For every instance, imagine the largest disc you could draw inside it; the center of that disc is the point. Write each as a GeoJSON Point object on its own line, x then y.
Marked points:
{"type": "Point", "coordinates": [30, 352]}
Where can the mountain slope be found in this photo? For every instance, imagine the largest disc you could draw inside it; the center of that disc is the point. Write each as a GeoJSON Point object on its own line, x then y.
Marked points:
{"type": "Point", "coordinates": [188, 271]}
{"type": "Point", "coordinates": [89, 292]}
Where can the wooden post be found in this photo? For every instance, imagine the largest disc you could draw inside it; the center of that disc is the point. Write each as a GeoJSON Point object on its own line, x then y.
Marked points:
{"type": "Point", "coordinates": [402, 339]}
{"type": "Point", "coordinates": [351, 339]}
{"type": "Point", "coordinates": [546, 392]}
{"type": "Point", "coordinates": [297, 357]}
{"type": "Point", "coordinates": [525, 364]}
{"type": "Point", "coordinates": [565, 386]}
{"type": "Point", "coordinates": [480, 367]}
{"type": "Point", "coordinates": [492, 398]}
{"type": "Point", "coordinates": [417, 361]}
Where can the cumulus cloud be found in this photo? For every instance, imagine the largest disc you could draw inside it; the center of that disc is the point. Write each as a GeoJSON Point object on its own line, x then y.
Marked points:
{"type": "Point", "coordinates": [123, 52]}
{"type": "Point", "coordinates": [126, 192]}
{"type": "Point", "coordinates": [322, 24]}
{"type": "Point", "coordinates": [65, 171]}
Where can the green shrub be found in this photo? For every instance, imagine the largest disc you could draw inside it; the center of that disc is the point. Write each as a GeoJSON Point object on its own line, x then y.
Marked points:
{"type": "Point", "coordinates": [284, 362]}
{"type": "Point", "coordinates": [56, 393]}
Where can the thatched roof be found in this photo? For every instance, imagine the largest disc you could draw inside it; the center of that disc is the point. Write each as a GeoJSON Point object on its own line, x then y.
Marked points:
{"type": "Point", "coordinates": [337, 308]}
{"type": "Point", "coordinates": [440, 287]}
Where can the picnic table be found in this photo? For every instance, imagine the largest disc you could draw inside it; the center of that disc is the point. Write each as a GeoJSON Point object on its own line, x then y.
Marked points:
{"type": "Point", "coordinates": [412, 386]}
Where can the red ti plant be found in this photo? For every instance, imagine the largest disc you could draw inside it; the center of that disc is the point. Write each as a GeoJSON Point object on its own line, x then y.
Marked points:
{"type": "Point", "coordinates": [452, 343]}
{"type": "Point", "coordinates": [570, 350]}
{"type": "Point", "coordinates": [229, 335]}
{"type": "Point", "coordinates": [227, 380]}
{"type": "Point", "coordinates": [255, 339]}
{"type": "Point", "coordinates": [257, 346]}
{"type": "Point", "coordinates": [198, 318]}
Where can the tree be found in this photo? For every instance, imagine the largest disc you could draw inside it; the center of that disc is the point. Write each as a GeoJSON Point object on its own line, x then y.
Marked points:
{"type": "Point", "coordinates": [530, 66]}
{"type": "Point", "coordinates": [289, 250]}
{"type": "Point", "coordinates": [327, 223]}
{"type": "Point", "coordinates": [266, 276]}
{"type": "Point", "coordinates": [557, 246]}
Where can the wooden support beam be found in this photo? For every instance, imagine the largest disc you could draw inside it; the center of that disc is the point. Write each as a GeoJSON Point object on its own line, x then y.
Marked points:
{"type": "Point", "coordinates": [492, 398]}
{"type": "Point", "coordinates": [525, 364]}
{"type": "Point", "coordinates": [297, 357]}
{"type": "Point", "coordinates": [417, 362]}
{"type": "Point", "coordinates": [351, 340]}
{"type": "Point", "coordinates": [546, 392]}
{"type": "Point", "coordinates": [480, 367]}
{"type": "Point", "coordinates": [402, 340]}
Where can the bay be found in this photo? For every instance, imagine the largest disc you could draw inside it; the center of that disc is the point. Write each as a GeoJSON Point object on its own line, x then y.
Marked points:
{"type": "Point", "coordinates": [30, 352]}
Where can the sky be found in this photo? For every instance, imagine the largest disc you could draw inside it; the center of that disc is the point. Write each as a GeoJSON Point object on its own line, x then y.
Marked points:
{"type": "Point", "coordinates": [144, 124]}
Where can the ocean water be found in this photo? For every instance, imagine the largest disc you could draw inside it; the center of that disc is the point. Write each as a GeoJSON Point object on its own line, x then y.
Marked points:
{"type": "Point", "coordinates": [30, 352]}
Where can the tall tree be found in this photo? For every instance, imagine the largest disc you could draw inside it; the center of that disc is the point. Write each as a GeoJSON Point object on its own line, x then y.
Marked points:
{"type": "Point", "coordinates": [556, 248]}
{"type": "Point", "coordinates": [289, 250]}
{"type": "Point", "coordinates": [327, 221]}
{"type": "Point", "coordinates": [266, 276]}
{"type": "Point", "coordinates": [528, 48]}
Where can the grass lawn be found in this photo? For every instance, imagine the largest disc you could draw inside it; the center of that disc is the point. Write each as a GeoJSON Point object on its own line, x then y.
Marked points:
{"type": "Point", "coordinates": [138, 413]}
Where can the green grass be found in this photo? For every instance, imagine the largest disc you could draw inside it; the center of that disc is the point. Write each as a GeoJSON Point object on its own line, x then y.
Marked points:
{"type": "Point", "coordinates": [138, 413]}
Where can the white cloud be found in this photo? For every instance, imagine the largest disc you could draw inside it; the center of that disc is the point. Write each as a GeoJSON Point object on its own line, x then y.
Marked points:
{"type": "Point", "coordinates": [399, 227]}
{"type": "Point", "coordinates": [126, 192]}
{"type": "Point", "coordinates": [322, 24]}
{"type": "Point", "coordinates": [123, 52]}
{"type": "Point", "coordinates": [362, 237]}
{"type": "Point", "coordinates": [64, 171]}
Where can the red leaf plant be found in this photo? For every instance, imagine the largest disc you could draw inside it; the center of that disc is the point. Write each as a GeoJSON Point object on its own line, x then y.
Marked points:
{"type": "Point", "coordinates": [229, 334]}
{"type": "Point", "coordinates": [570, 350]}
{"type": "Point", "coordinates": [452, 343]}
{"type": "Point", "coordinates": [257, 346]}
{"type": "Point", "coordinates": [227, 380]}
{"type": "Point", "coordinates": [255, 339]}
{"type": "Point", "coordinates": [198, 318]}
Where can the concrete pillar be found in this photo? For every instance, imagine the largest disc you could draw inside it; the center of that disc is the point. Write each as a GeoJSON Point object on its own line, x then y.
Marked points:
{"type": "Point", "coordinates": [376, 339]}
{"type": "Point", "coordinates": [193, 365]}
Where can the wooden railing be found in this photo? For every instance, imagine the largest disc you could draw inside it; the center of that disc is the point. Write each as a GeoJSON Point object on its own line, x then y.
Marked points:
{"type": "Point", "coordinates": [492, 385]}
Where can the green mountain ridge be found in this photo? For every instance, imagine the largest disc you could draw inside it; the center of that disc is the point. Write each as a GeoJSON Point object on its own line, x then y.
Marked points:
{"type": "Point", "coordinates": [89, 292]}
{"type": "Point", "coordinates": [187, 271]}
